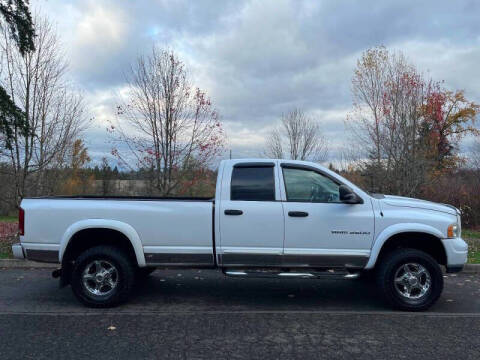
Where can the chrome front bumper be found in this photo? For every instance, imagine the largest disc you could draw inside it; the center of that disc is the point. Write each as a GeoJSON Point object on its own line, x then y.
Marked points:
{"type": "Point", "coordinates": [18, 252]}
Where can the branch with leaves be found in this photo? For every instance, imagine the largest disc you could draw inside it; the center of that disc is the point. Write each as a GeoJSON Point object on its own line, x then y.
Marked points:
{"type": "Point", "coordinates": [165, 124]}
{"type": "Point", "coordinates": [408, 126]}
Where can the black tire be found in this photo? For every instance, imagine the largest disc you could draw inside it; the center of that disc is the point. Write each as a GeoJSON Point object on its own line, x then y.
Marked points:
{"type": "Point", "coordinates": [391, 265]}
{"type": "Point", "coordinates": [124, 276]}
{"type": "Point", "coordinates": [367, 276]}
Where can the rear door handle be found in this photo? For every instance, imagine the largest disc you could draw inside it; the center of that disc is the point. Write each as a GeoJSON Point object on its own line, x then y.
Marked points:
{"type": "Point", "coordinates": [233, 212]}
{"type": "Point", "coordinates": [297, 214]}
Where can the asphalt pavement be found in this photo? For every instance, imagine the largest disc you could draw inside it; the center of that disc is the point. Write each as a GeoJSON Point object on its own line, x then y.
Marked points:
{"type": "Point", "coordinates": [200, 314]}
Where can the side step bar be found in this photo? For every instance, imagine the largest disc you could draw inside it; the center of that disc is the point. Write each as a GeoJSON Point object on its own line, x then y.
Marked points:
{"type": "Point", "coordinates": [329, 274]}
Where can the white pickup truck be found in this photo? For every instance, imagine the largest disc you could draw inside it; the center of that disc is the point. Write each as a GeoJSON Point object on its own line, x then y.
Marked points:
{"type": "Point", "coordinates": [271, 218]}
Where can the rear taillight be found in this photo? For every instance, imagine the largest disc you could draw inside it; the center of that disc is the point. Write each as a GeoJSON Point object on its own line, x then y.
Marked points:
{"type": "Point", "coordinates": [21, 221]}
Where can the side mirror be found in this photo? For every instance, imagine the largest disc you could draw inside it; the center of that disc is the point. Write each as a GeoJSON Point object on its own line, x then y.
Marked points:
{"type": "Point", "coordinates": [347, 196]}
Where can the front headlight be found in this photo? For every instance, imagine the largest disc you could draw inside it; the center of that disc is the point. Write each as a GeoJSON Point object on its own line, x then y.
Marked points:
{"type": "Point", "coordinates": [453, 231]}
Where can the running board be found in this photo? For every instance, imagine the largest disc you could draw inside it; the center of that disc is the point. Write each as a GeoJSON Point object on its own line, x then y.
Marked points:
{"type": "Point", "coordinates": [329, 274]}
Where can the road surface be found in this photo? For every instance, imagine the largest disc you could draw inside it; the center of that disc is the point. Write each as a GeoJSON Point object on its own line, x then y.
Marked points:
{"type": "Point", "coordinates": [200, 314]}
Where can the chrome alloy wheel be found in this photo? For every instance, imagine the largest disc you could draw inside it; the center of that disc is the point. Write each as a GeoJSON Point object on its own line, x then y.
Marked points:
{"type": "Point", "coordinates": [412, 281]}
{"type": "Point", "coordinates": [100, 277]}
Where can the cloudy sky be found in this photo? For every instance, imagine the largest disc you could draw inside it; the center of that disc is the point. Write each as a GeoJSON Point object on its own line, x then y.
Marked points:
{"type": "Point", "coordinates": [258, 59]}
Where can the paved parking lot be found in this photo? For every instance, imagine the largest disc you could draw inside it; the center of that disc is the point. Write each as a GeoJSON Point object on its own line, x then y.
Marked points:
{"type": "Point", "coordinates": [203, 315]}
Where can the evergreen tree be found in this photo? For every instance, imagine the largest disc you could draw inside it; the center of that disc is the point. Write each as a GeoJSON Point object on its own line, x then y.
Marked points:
{"type": "Point", "coordinates": [17, 17]}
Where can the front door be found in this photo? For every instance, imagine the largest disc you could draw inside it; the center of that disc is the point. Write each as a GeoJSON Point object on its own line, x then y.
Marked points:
{"type": "Point", "coordinates": [320, 230]}
{"type": "Point", "coordinates": [251, 218]}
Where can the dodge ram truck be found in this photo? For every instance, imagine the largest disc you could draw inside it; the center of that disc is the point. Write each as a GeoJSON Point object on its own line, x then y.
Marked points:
{"type": "Point", "coordinates": [269, 218]}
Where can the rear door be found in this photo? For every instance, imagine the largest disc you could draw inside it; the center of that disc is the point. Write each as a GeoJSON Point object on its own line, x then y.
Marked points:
{"type": "Point", "coordinates": [251, 215]}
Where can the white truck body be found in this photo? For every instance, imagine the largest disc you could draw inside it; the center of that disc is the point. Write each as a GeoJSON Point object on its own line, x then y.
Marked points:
{"type": "Point", "coordinates": [294, 216]}
{"type": "Point", "coordinates": [183, 233]}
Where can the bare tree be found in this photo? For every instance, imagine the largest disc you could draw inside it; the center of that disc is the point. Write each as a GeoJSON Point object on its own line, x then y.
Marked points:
{"type": "Point", "coordinates": [388, 93]}
{"type": "Point", "coordinates": [37, 83]}
{"type": "Point", "coordinates": [274, 144]}
{"type": "Point", "coordinates": [474, 158]}
{"type": "Point", "coordinates": [166, 124]}
{"type": "Point", "coordinates": [298, 137]}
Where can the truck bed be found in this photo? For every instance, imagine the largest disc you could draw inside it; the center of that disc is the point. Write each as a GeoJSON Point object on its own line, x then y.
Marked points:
{"type": "Point", "coordinates": [170, 231]}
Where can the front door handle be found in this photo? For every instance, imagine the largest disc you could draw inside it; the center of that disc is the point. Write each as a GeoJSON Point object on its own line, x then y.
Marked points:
{"type": "Point", "coordinates": [297, 213]}
{"type": "Point", "coordinates": [233, 212]}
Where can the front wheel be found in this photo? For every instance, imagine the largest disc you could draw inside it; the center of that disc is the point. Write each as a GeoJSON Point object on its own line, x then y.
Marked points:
{"type": "Point", "coordinates": [410, 279]}
{"type": "Point", "coordinates": [103, 276]}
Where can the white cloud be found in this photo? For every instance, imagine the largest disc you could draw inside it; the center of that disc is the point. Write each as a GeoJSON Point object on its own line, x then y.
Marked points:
{"type": "Point", "coordinates": [443, 60]}
{"type": "Point", "coordinates": [99, 37]}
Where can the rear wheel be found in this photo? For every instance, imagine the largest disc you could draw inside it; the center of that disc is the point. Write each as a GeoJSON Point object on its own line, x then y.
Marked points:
{"type": "Point", "coordinates": [102, 276]}
{"type": "Point", "coordinates": [410, 279]}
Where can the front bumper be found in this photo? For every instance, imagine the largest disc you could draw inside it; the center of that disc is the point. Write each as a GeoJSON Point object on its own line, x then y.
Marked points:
{"type": "Point", "coordinates": [18, 252]}
{"type": "Point", "coordinates": [457, 253]}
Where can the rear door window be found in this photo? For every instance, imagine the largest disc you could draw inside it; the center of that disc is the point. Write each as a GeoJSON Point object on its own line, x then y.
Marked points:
{"type": "Point", "coordinates": [253, 184]}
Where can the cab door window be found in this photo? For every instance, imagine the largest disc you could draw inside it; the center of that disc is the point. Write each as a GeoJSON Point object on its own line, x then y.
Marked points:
{"type": "Point", "coordinates": [304, 185]}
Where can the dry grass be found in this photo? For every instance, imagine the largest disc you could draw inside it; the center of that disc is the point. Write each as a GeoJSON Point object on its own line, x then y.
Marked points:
{"type": "Point", "coordinates": [8, 236]}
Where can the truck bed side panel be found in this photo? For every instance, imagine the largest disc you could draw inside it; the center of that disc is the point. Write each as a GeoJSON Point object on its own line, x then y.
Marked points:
{"type": "Point", "coordinates": [171, 232]}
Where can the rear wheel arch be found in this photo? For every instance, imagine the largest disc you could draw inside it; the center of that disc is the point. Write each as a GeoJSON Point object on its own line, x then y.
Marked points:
{"type": "Point", "coordinates": [93, 232]}
{"type": "Point", "coordinates": [91, 237]}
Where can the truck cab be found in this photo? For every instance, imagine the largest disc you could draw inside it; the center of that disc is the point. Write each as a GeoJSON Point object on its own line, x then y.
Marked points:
{"type": "Point", "coordinates": [276, 213]}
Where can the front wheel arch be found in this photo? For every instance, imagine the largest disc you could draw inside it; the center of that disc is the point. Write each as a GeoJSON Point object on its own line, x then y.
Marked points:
{"type": "Point", "coordinates": [427, 243]}
{"type": "Point", "coordinates": [423, 241]}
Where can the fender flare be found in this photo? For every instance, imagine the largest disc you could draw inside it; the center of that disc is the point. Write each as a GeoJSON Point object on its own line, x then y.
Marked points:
{"type": "Point", "coordinates": [124, 228]}
{"type": "Point", "coordinates": [398, 229]}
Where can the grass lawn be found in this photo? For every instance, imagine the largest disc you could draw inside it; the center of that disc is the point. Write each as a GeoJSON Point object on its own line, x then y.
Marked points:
{"type": "Point", "coordinates": [8, 219]}
{"type": "Point", "coordinates": [471, 234]}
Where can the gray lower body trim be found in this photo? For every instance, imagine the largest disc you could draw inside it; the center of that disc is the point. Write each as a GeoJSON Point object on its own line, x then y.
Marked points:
{"type": "Point", "coordinates": [49, 256]}
{"type": "Point", "coordinates": [167, 259]}
{"type": "Point", "coordinates": [304, 261]}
